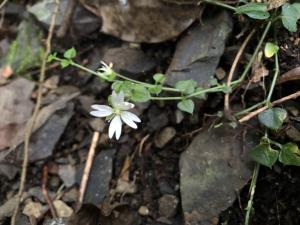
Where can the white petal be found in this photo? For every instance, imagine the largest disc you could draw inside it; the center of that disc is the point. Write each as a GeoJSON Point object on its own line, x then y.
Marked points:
{"type": "Point", "coordinates": [101, 110]}
{"type": "Point", "coordinates": [104, 64]}
{"type": "Point", "coordinates": [126, 106]}
{"type": "Point", "coordinates": [115, 127]}
{"type": "Point", "coordinates": [117, 99]}
{"type": "Point", "coordinates": [130, 119]}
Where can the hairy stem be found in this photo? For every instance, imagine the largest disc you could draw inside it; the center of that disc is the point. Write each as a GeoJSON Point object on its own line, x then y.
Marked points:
{"type": "Point", "coordinates": [251, 192]}
{"type": "Point", "coordinates": [169, 89]}
{"type": "Point", "coordinates": [275, 77]}
{"type": "Point", "coordinates": [31, 122]}
{"type": "Point", "coordinates": [220, 3]}
{"type": "Point", "coordinates": [241, 79]}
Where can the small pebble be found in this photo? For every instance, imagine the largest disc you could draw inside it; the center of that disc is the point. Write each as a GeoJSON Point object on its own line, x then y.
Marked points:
{"type": "Point", "coordinates": [166, 135]}
{"type": "Point", "coordinates": [62, 209]}
{"type": "Point", "coordinates": [97, 124]}
{"type": "Point", "coordinates": [143, 211]}
{"type": "Point", "coordinates": [220, 73]}
{"type": "Point", "coordinates": [168, 205]}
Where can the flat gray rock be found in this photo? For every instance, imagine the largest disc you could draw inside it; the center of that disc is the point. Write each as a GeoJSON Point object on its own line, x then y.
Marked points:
{"type": "Point", "coordinates": [44, 139]}
{"type": "Point", "coordinates": [68, 174]}
{"type": "Point", "coordinates": [149, 21]}
{"type": "Point", "coordinates": [100, 176]}
{"type": "Point", "coordinates": [9, 170]}
{"type": "Point", "coordinates": [83, 21]}
{"type": "Point", "coordinates": [212, 169]}
{"type": "Point", "coordinates": [198, 53]}
{"type": "Point", "coordinates": [129, 61]}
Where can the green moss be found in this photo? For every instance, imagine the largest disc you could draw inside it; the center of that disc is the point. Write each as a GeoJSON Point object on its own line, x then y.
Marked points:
{"type": "Point", "coordinates": [26, 51]}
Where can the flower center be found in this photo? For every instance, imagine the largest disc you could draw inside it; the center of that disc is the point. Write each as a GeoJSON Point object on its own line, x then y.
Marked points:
{"type": "Point", "coordinates": [117, 111]}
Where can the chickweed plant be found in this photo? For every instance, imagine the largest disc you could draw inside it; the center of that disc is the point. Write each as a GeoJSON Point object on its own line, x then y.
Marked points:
{"type": "Point", "coordinates": [127, 91]}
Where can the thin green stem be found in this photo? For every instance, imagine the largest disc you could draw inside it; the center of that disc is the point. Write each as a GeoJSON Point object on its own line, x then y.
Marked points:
{"type": "Point", "coordinates": [204, 91]}
{"type": "Point", "coordinates": [221, 4]}
{"type": "Point", "coordinates": [241, 79]}
{"type": "Point", "coordinates": [209, 90]}
{"type": "Point", "coordinates": [146, 84]}
{"type": "Point", "coordinates": [118, 75]}
{"type": "Point", "coordinates": [250, 108]}
{"type": "Point", "coordinates": [82, 68]}
{"type": "Point", "coordinates": [252, 192]}
{"type": "Point", "coordinates": [167, 98]}
{"type": "Point", "coordinates": [275, 77]}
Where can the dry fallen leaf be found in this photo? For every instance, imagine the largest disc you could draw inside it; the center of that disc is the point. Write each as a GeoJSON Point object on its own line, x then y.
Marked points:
{"type": "Point", "coordinates": [293, 74]}
{"type": "Point", "coordinates": [273, 4]}
{"type": "Point", "coordinates": [34, 209]}
{"type": "Point", "coordinates": [16, 108]}
{"type": "Point", "coordinates": [6, 72]}
{"type": "Point", "coordinates": [258, 69]}
{"type": "Point", "coordinates": [62, 209]}
{"type": "Point", "coordinates": [125, 169]}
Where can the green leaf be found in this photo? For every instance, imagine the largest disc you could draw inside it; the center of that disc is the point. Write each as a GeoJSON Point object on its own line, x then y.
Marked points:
{"type": "Point", "coordinates": [254, 10]}
{"type": "Point", "coordinates": [186, 86]}
{"type": "Point", "coordinates": [140, 94]}
{"type": "Point", "coordinates": [26, 51]}
{"type": "Point", "coordinates": [213, 82]}
{"type": "Point", "coordinates": [159, 78]}
{"type": "Point", "coordinates": [297, 7]}
{"type": "Point", "coordinates": [290, 15]}
{"type": "Point", "coordinates": [226, 89]}
{"type": "Point", "coordinates": [200, 96]}
{"type": "Point", "coordinates": [125, 86]}
{"type": "Point", "coordinates": [51, 57]}
{"type": "Point", "coordinates": [117, 86]}
{"type": "Point", "coordinates": [64, 63]}
{"type": "Point", "coordinates": [290, 155]}
{"type": "Point", "coordinates": [264, 155]}
{"type": "Point", "coordinates": [155, 89]}
{"type": "Point", "coordinates": [258, 15]}
{"type": "Point", "coordinates": [273, 118]}
{"type": "Point", "coordinates": [70, 53]}
{"type": "Point", "coordinates": [111, 76]}
{"type": "Point", "coordinates": [250, 7]}
{"type": "Point", "coordinates": [186, 105]}
{"type": "Point", "coordinates": [270, 49]}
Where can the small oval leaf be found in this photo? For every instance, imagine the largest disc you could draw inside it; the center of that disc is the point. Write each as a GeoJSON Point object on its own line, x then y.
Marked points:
{"type": "Point", "coordinates": [70, 53]}
{"type": "Point", "coordinates": [186, 105]}
{"type": "Point", "coordinates": [186, 86]}
{"type": "Point", "coordinates": [270, 49]}
{"type": "Point", "coordinates": [290, 155]}
{"type": "Point", "coordinates": [264, 155]}
{"type": "Point", "coordinates": [273, 118]}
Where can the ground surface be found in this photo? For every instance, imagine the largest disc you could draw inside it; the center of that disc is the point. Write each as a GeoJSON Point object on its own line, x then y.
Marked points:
{"type": "Point", "coordinates": [154, 170]}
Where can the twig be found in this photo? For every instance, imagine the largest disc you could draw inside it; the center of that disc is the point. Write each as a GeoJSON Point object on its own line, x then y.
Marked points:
{"type": "Point", "coordinates": [88, 166]}
{"type": "Point", "coordinates": [252, 192]}
{"type": "Point", "coordinates": [221, 4]}
{"type": "Point", "coordinates": [67, 19]}
{"type": "Point", "coordinates": [31, 122]}
{"type": "Point", "coordinates": [231, 72]}
{"type": "Point", "coordinates": [242, 77]}
{"type": "Point", "coordinates": [3, 3]}
{"type": "Point", "coordinates": [46, 193]}
{"type": "Point", "coordinates": [277, 102]}
{"type": "Point", "coordinates": [141, 145]}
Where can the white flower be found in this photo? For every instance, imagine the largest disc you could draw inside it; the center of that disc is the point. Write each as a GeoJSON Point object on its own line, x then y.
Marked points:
{"type": "Point", "coordinates": [117, 114]}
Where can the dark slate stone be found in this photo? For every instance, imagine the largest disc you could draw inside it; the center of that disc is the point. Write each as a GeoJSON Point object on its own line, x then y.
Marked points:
{"type": "Point", "coordinates": [198, 53]}
{"type": "Point", "coordinates": [100, 176]}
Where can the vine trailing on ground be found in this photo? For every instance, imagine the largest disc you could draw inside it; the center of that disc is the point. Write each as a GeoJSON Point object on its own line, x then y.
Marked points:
{"type": "Point", "coordinates": [268, 152]}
